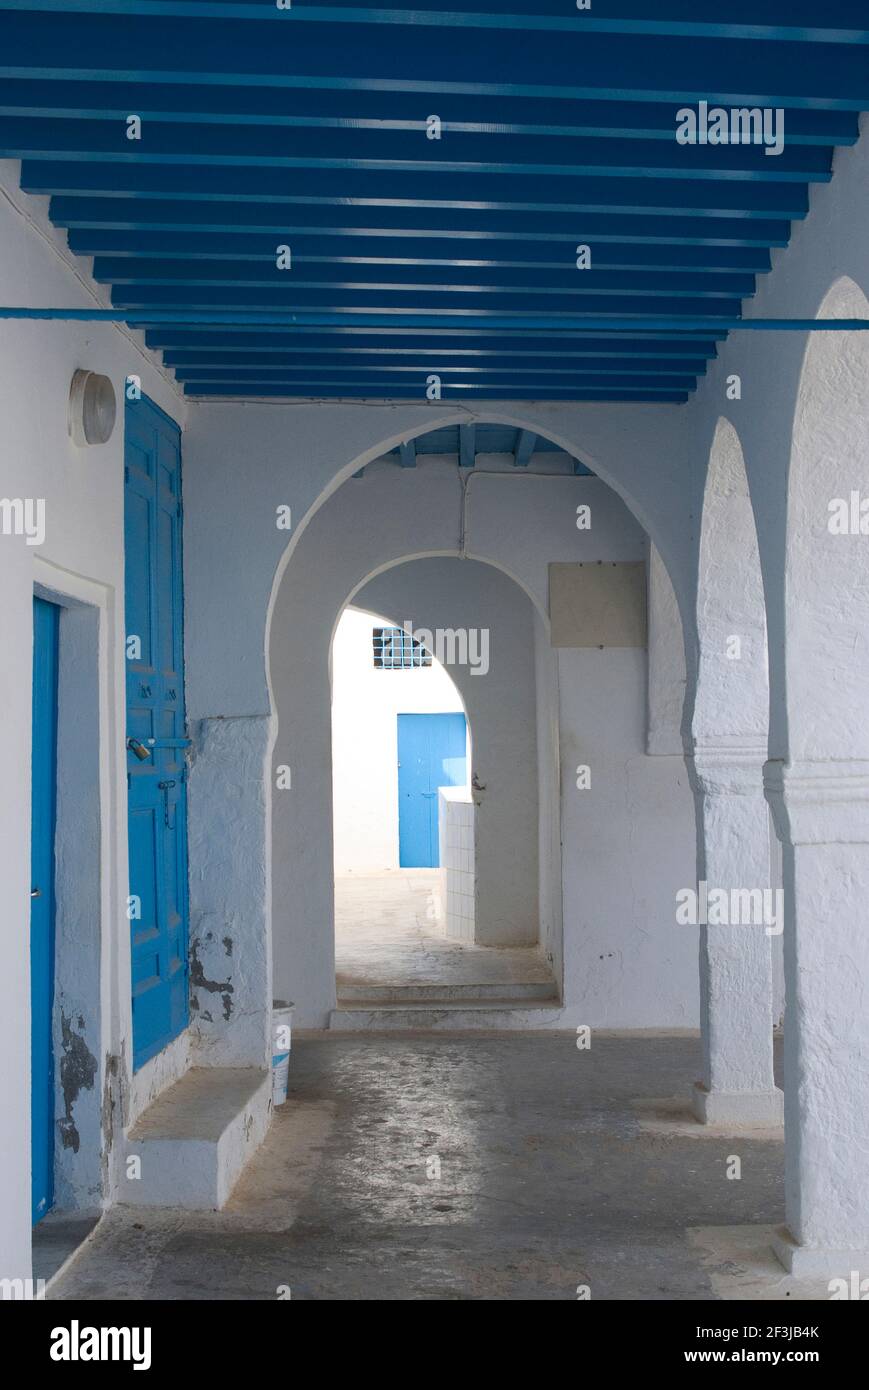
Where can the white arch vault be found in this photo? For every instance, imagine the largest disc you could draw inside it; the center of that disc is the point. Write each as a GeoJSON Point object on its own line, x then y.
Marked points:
{"type": "Point", "coordinates": [415, 513]}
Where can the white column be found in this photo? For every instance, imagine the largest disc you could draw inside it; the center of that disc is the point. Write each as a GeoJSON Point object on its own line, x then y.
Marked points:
{"type": "Point", "coordinates": [821, 810]}
{"type": "Point", "coordinates": [736, 1087]}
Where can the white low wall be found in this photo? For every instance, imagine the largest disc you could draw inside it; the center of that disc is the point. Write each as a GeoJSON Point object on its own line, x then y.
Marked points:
{"type": "Point", "coordinates": [456, 831]}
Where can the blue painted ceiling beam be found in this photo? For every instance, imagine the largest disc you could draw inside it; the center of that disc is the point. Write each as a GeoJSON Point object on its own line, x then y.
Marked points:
{"type": "Point", "coordinates": [303, 53]}
{"type": "Point", "coordinates": [553, 335]}
{"type": "Point", "coordinates": [738, 198]}
{"type": "Point", "coordinates": [247, 390]}
{"type": "Point", "coordinates": [545, 119]}
{"type": "Point", "coordinates": [408, 304]}
{"type": "Point", "coordinates": [549, 367]}
{"type": "Point", "coordinates": [564, 282]}
{"type": "Point", "coordinates": [165, 142]}
{"type": "Point", "coordinates": [394, 251]}
{"type": "Point", "coordinates": [578, 64]}
{"type": "Point", "coordinates": [682, 326]}
{"type": "Point", "coordinates": [214, 344]}
{"type": "Point", "coordinates": [448, 222]}
{"type": "Point", "coordinates": [844, 21]}
{"type": "Point", "coordinates": [518, 379]}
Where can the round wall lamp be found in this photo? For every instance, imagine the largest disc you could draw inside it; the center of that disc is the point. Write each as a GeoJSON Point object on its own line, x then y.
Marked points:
{"type": "Point", "coordinates": [92, 408]}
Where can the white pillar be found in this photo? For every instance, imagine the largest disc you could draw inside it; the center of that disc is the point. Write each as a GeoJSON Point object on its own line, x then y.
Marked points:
{"type": "Point", "coordinates": [821, 811]}
{"type": "Point", "coordinates": [736, 1087]}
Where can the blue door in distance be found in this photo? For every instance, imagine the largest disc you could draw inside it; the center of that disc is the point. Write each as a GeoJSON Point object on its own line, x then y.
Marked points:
{"type": "Point", "coordinates": [43, 801]}
{"type": "Point", "coordinates": [431, 754]}
{"type": "Point", "coordinates": [156, 766]}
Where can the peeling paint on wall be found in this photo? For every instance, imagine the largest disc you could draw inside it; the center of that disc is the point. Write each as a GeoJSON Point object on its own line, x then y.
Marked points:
{"type": "Point", "coordinates": [229, 957]}
{"type": "Point", "coordinates": [199, 980]}
{"type": "Point", "coordinates": [78, 1069]}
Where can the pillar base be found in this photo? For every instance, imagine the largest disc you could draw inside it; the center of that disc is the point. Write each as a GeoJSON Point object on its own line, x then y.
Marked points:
{"type": "Point", "coordinates": [819, 1261]}
{"type": "Point", "coordinates": [738, 1109]}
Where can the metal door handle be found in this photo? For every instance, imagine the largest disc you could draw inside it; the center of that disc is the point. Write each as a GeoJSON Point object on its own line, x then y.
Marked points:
{"type": "Point", "coordinates": [168, 808]}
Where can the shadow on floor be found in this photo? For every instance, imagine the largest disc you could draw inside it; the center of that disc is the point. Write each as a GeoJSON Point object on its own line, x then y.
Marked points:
{"type": "Point", "coordinates": [458, 1167]}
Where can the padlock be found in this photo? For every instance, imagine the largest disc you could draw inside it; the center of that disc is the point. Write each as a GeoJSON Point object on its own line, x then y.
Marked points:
{"type": "Point", "coordinates": [139, 749]}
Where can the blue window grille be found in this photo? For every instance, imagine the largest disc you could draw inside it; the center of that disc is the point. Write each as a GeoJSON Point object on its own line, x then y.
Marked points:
{"type": "Point", "coordinates": [396, 650]}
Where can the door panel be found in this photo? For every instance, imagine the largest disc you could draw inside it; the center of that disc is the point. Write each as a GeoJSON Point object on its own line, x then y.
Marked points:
{"type": "Point", "coordinates": [431, 754]}
{"type": "Point", "coordinates": [43, 805]}
{"type": "Point", "coordinates": [157, 795]}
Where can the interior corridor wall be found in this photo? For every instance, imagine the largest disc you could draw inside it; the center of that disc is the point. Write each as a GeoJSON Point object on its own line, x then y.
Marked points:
{"type": "Point", "coordinates": [628, 849]}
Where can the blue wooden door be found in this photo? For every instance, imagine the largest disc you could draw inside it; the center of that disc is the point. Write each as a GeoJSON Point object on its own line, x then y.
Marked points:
{"type": "Point", "coordinates": [156, 766]}
{"type": "Point", "coordinates": [431, 754]}
{"type": "Point", "coordinates": [43, 802]}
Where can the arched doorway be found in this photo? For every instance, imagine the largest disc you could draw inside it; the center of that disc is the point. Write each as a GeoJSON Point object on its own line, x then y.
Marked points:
{"type": "Point", "coordinates": [619, 879]}
{"type": "Point", "coordinates": [437, 854]}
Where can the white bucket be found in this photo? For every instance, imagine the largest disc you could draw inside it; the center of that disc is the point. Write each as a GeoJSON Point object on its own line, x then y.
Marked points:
{"type": "Point", "coordinates": [282, 1022]}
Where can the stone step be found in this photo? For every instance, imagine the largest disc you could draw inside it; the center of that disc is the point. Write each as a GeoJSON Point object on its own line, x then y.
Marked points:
{"type": "Point", "coordinates": [195, 1138]}
{"type": "Point", "coordinates": [494, 1014]}
{"type": "Point", "coordinates": [372, 996]}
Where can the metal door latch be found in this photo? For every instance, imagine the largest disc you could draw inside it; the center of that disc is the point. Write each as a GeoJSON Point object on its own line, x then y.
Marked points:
{"type": "Point", "coordinates": [168, 806]}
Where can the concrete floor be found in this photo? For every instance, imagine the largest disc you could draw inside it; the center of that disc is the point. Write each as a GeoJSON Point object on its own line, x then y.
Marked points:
{"type": "Point", "coordinates": [547, 1182]}
{"type": "Point", "coordinates": [390, 944]}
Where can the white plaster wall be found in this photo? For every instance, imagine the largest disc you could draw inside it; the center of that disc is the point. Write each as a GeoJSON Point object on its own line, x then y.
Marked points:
{"type": "Point", "coordinates": [366, 703]}
{"type": "Point", "coordinates": [458, 874]}
{"type": "Point", "coordinates": [667, 671]}
{"type": "Point", "coordinates": [230, 960]}
{"type": "Point", "coordinates": [628, 848]}
{"type": "Point", "coordinates": [82, 557]}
